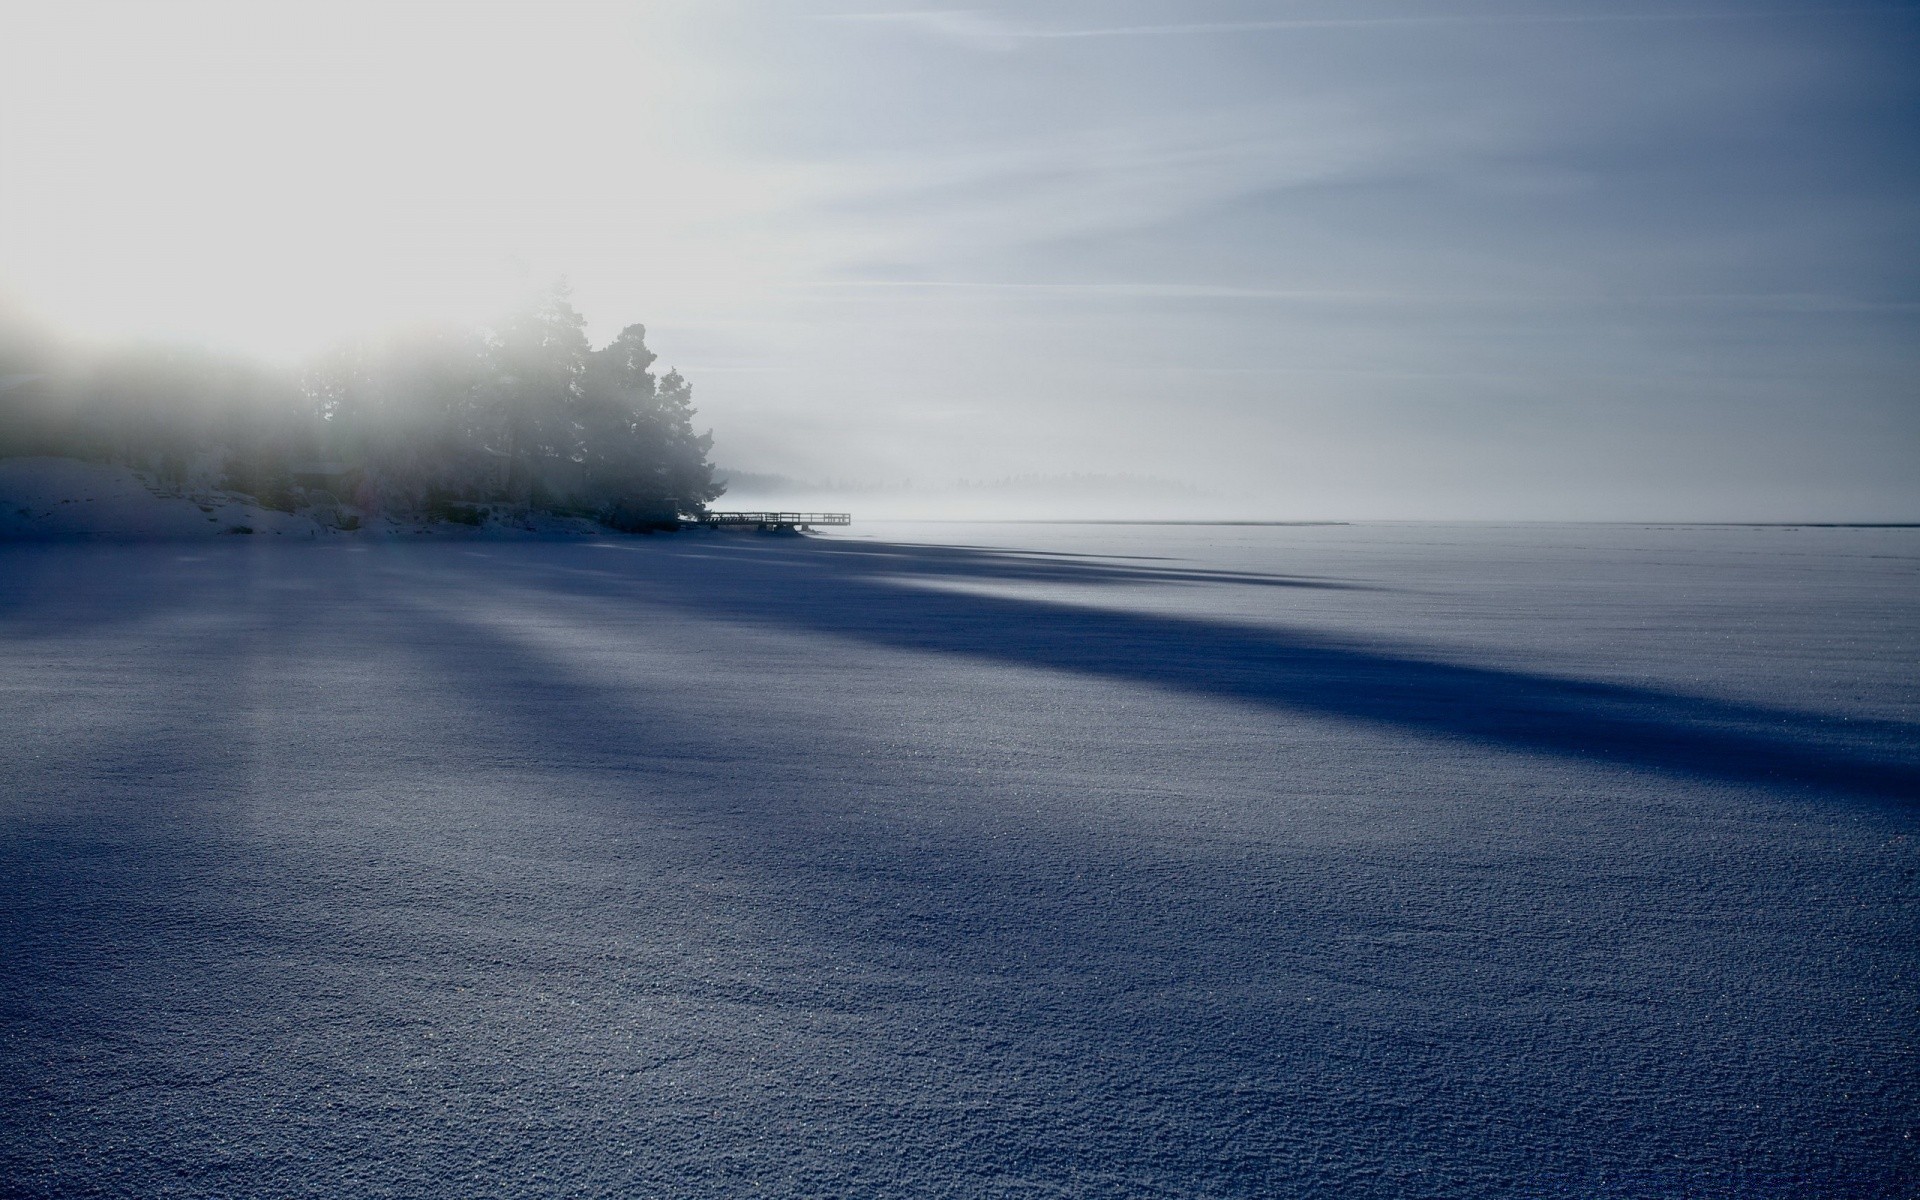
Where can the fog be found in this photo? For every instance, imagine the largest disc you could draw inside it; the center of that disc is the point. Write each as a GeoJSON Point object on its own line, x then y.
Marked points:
{"type": "Point", "coordinates": [1286, 261]}
{"type": "Point", "coordinates": [1097, 598]}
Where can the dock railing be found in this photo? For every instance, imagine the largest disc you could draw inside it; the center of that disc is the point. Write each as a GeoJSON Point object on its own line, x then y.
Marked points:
{"type": "Point", "coordinates": [769, 520]}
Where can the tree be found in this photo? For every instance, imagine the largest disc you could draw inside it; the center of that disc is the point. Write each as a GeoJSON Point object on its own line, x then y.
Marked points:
{"type": "Point", "coordinates": [523, 413]}
{"type": "Point", "coordinates": [530, 402]}
{"type": "Point", "coordinates": [644, 451]}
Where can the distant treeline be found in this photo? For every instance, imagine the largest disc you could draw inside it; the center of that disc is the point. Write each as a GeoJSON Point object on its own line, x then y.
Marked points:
{"type": "Point", "coordinates": [522, 415]}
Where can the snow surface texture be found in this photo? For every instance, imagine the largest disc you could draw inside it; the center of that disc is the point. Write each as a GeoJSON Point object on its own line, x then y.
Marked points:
{"type": "Point", "coordinates": [65, 498]}
{"type": "Point", "coordinates": [1346, 861]}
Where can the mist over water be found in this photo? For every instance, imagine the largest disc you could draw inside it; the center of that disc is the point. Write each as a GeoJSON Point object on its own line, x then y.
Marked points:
{"type": "Point", "coordinates": [1092, 598]}
{"type": "Point", "coordinates": [1388, 261]}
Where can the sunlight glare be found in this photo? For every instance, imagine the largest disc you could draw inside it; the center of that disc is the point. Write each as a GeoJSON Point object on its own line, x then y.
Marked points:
{"type": "Point", "coordinates": [267, 178]}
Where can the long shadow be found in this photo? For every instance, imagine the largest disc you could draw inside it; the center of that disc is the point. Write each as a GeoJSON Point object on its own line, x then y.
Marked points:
{"type": "Point", "coordinates": [901, 595]}
{"type": "Point", "coordinates": [875, 593]}
{"type": "Point", "coordinates": [1092, 933]}
{"type": "Point", "coordinates": [1148, 1031]}
{"type": "Point", "coordinates": [997, 564]}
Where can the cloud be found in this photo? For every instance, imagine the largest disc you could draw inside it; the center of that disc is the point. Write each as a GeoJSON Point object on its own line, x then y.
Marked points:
{"type": "Point", "coordinates": [966, 26]}
{"type": "Point", "coordinates": [1784, 303]}
{"type": "Point", "coordinates": [939, 206]}
{"type": "Point", "coordinates": [987, 30]}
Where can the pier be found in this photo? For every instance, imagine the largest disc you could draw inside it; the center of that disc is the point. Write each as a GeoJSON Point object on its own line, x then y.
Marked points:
{"type": "Point", "coordinates": [780, 521]}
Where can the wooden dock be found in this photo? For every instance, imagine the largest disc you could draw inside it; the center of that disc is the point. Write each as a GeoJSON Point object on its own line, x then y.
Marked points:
{"type": "Point", "coordinates": [786, 521]}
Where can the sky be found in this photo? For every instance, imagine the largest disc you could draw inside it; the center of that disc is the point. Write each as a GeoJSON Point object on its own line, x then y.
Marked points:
{"type": "Point", "coordinates": [1592, 259]}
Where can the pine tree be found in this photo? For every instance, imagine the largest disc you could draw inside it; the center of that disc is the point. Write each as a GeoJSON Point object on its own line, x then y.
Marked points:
{"type": "Point", "coordinates": [645, 454]}
{"type": "Point", "coordinates": [536, 364]}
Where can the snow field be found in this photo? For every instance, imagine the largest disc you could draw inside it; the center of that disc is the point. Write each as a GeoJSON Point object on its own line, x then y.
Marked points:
{"type": "Point", "coordinates": [942, 860]}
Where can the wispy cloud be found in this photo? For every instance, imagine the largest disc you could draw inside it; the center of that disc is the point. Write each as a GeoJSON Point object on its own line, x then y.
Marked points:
{"type": "Point", "coordinates": [954, 25]}
{"type": "Point", "coordinates": [981, 28]}
{"type": "Point", "coordinates": [1758, 302]}
{"type": "Point", "coordinates": [925, 210]}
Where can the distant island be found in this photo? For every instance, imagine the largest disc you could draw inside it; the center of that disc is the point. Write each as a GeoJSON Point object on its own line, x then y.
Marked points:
{"type": "Point", "coordinates": [521, 417]}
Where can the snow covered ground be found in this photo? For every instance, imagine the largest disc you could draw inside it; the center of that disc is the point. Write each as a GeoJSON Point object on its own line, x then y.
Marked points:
{"type": "Point", "coordinates": [67, 499]}
{"type": "Point", "coordinates": [937, 860]}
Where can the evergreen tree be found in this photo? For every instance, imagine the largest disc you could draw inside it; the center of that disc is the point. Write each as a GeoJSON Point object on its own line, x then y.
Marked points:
{"type": "Point", "coordinates": [523, 413]}
{"type": "Point", "coordinates": [645, 452]}
{"type": "Point", "coordinates": [531, 398]}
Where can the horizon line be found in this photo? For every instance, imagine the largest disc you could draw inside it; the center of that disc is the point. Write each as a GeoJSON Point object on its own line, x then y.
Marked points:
{"type": "Point", "coordinates": [1394, 521]}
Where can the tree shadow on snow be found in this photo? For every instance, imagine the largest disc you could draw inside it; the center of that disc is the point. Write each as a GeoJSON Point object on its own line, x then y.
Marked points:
{"type": "Point", "coordinates": [903, 596]}
{"type": "Point", "coordinates": [1077, 982]}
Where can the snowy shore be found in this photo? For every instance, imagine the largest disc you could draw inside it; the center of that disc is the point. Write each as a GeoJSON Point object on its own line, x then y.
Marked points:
{"type": "Point", "coordinates": [66, 499]}
{"type": "Point", "coordinates": [964, 861]}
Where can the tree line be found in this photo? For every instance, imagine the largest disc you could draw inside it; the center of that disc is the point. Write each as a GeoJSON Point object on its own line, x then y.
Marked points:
{"type": "Point", "coordinates": [520, 415]}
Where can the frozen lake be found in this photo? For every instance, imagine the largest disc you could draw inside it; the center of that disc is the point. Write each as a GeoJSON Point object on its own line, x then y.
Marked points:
{"type": "Point", "coordinates": [943, 860]}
